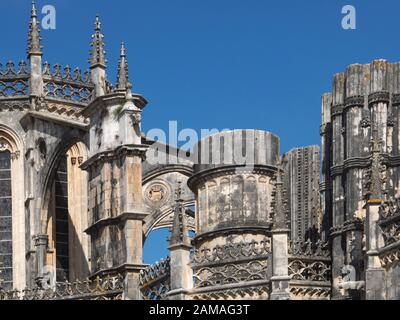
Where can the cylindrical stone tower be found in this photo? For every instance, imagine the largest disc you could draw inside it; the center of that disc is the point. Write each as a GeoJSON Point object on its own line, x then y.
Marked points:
{"type": "Point", "coordinates": [234, 182]}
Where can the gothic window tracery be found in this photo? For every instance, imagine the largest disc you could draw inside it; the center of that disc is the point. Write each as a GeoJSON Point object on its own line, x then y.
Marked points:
{"type": "Point", "coordinates": [62, 222]}
{"type": "Point", "coordinates": [5, 218]}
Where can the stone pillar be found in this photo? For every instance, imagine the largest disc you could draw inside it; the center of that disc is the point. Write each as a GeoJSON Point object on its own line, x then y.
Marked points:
{"type": "Point", "coordinates": [180, 246]}
{"type": "Point", "coordinates": [375, 274]}
{"type": "Point", "coordinates": [280, 278]}
{"type": "Point", "coordinates": [41, 245]}
{"type": "Point", "coordinates": [326, 183]}
{"type": "Point", "coordinates": [280, 235]}
{"type": "Point", "coordinates": [131, 201]}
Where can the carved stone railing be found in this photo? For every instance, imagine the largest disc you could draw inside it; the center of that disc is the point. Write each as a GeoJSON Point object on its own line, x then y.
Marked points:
{"type": "Point", "coordinates": [63, 84]}
{"type": "Point", "coordinates": [14, 80]}
{"type": "Point", "coordinates": [389, 223]}
{"type": "Point", "coordinates": [231, 263]}
{"type": "Point", "coordinates": [155, 280]}
{"type": "Point", "coordinates": [108, 288]}
{"type": "Point", "coordinates": [309, 269]}
{"type": "Point", "coordinates": [232, 252]}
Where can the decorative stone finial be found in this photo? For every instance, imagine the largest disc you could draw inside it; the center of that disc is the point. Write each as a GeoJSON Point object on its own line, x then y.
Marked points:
{"type": "Point", "coordinates": [98, 54]}
{"type": "Point", "coordinates": [378, 169]}
{"type": "Point", "coordinates": [180, 229]}
{"type": "Point", "coordinates": [34, 39]}
{"type": "Point", "coordinates": [123, 74]}
{"type": "Point", "coordinates": [179, 192]}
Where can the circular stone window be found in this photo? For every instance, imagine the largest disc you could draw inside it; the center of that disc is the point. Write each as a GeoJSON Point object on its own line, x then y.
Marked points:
{"type": "Point", "coordinates": [157, 193]}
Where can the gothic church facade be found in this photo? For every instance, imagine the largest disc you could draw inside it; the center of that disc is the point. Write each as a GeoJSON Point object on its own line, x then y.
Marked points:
{"type": "Point", "coordinates": [79, 196]}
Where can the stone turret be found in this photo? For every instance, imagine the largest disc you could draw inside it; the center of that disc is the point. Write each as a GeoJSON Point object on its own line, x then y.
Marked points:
{"type": "Point", "coordinates": [234, 184]}
{"type": "Point", "coordinates": [115, 179]}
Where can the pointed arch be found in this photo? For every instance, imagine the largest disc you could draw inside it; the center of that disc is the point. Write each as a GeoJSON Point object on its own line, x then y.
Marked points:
{"type": "Point", "coordinates": [11, 145]}
{"type": "Point", "coordinates": [64, 215]}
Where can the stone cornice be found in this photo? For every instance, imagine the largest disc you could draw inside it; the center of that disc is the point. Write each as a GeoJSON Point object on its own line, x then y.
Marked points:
{"type": "Point", "coordinates": [113, 99]}
{"type": "Point", "coordinates": [337, 109]}
{"type": "Point", "coordinates": [379, 96]}
{"type": "Point", "coordinates": [350, 163]}
{"type": "Point", "coordinates": [359, 101]}
{"type": "Point", "coordinates": [350, 225]}
{"type": "Point", "coordinates": [121, 269]}
{"type": "Point", "coordinates": [55, 119]}
{"type": "Point", "coordinates": [251, 229]}
{"type": "Point", "coordinates": [104, 156]}
{"type": "Point", "coordinates": [122, 218]}
{"type": "Point", "coordinates": [229, 170]}
{"type": "Point", "coordinates": [354, 101]}
{"type": "Point", "coordinates": [233, 286]}
{"type": "Point", "coordinates": [361, 163]}
{"type": "Point", "coordinates": [396, 99]}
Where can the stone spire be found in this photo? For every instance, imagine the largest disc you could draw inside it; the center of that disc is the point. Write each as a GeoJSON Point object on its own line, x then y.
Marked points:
{"type": "Point", "coordinates": [123, 74]}
{"type": "Point", "coordinates": [97, 55]}
{"type": "Point", "coordinates": [180, 230]}
{"type": "Point", "coordinates": [34, 39]}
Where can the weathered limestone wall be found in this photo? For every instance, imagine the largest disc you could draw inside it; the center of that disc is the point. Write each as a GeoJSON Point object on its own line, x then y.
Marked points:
{"type": "Point", "coordinates": [234, 205]}
{"type": "Point", "coordinates": [231, 196]}
{"type": "Point", "coordinates": [365, 106]}
{"type": "Point", "coordinates": [301, 182]}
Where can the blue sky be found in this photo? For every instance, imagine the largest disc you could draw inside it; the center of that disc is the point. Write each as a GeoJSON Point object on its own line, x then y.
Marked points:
{"type": "Point", "coordinates": [219, 63]}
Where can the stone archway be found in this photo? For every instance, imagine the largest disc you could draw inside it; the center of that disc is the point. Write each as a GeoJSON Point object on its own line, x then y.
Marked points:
{"type": "Point", "coordinates": [69, 184]}
{"type": "Point", "coordinates": [159, 196]}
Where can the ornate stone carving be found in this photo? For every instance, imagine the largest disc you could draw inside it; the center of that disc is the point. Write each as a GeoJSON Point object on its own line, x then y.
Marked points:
{"type": "Point", "coordinates": [4, 145]}
{"type": "Point", "coordinates": [337, 109]}
{"type": "Point", "coordinates": [390, 258]}
{"type": "Point", "coordinates": [157, 193]}
{"type": "Point", "coordinates": [396, 99]}
{"type": "Point", "coordinates": [107, 288]}
{"type": "Point", "coordinates": [354, 101]}
{"type": "Point", "coordinates": [309, 249]}
{"type": "Point", "coordinates": [63, 86]}
{"type": "Point", "coordinates": [231, 273]}
{"type": "Point", "coordinates": [302, 270]}
{"type": "Point", "coordinates": [136, 118]}
{"type": "Point", "coordinates": [14, 82]}
{"type": "Point", "coordinates": [233, 252]}
{"type": "Point", "coordinates": [155, 280]}
{"type": "Point", "coordinates": [365, 122]}
{"type": "Point", "coordinates": [381, 96]}
{"type": "Point", "coordinates": [310, 292]}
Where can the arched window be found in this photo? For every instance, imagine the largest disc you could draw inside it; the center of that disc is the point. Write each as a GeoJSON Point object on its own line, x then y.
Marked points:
{"type": "Point", "coordinates": [62, 221]}
{"type": "Point", "coordinates": [6, 246]}
{"type": "Point", "coordinates": [68, 219]}
{"type": "Point", "coordinates": [12, 211]}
